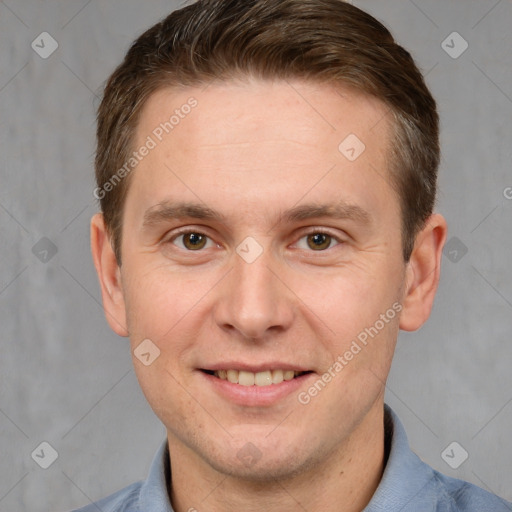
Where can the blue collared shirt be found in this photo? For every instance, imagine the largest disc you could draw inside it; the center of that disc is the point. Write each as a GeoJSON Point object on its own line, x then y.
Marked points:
{"type": "Point", "coordinates": [407, 485]}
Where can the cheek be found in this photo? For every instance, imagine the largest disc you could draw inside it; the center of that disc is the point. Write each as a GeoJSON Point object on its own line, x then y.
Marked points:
{"type": "Point", "coordinates": [355, 314]}
{"type": "Point", "coordinates": [163, 388]}
{"type": "Point", "coordinates": [350, 298]}
{"type": "Point", "coordinates": [158, 298]}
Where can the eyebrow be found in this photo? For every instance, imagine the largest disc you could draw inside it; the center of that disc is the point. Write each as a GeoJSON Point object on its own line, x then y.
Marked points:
{"type": "Point", "coordinates": [167, 210]}
{"type": "Point", "coordinates": [340, 210]}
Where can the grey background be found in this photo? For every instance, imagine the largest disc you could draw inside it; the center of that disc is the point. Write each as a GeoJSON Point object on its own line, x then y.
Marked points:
{"type": "Point", "coordinates": [65, 378]}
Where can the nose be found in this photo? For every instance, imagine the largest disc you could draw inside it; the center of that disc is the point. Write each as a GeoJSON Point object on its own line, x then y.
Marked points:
{"type": "Point", "coordinates": [253, 301]}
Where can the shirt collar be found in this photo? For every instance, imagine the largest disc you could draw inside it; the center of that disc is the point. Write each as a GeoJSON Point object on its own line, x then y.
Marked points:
{"type": "Point", "coordinates": [154, 495]}
{"type": "Point", "coordinates": [405, 475]}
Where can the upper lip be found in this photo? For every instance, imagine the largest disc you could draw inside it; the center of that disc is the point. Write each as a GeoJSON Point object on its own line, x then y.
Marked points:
{"type": "Point", "coordinates": [255, 368]}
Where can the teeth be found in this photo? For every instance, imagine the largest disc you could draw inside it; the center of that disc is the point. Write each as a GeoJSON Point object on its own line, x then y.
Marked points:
{"type": "Point", "coordinates": [277, 376]}
{"type": "Point", "coordinates": [232, 376]}
{"type": "Point", "coordinates": [265, 378]}
{"type": "Point", "coordinates": [246, 378]}
{"type": "Point", "coordinates": [288, 375]}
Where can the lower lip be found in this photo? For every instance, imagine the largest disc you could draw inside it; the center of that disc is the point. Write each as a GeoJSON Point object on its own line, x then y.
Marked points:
{"type": "Point", "coordinates": [256, 395]}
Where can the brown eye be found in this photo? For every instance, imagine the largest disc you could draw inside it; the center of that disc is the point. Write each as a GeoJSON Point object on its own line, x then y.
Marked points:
{"type": "Point", "coordinates": [194, 241]}
{"type": "Point", "coordinates": [319, 241]}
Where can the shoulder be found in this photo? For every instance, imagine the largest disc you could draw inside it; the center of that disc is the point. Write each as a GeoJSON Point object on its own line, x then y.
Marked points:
{"type": "Point", "coordinates": [460, 496]}
{"type": "Point", "coordinates": [125, 500]}
{"type": "Point", "coordinates": [145, 496]}
{"type": "Point", "coordinates": [410, 485]}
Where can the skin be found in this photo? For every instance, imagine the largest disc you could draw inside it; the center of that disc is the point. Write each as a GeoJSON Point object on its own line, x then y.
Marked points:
{"type": "Point", "coordinates": [252, 151]}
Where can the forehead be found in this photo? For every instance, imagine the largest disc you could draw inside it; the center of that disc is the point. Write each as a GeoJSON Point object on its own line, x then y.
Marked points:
{"type": "Point", "coordinates": [304, 110]}
{"type": "Point", "coordinates": [261, 139]}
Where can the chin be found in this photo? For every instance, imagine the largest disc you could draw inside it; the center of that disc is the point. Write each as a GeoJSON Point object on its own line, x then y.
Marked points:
{"type": "Point", "coordinates": [280, 467]}
{"type": "Point", "coordinates": [258, 461]}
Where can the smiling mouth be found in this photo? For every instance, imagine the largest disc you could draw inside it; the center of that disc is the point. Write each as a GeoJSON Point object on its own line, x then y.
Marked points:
{"type": "Point", "coordinates": [264, 378]}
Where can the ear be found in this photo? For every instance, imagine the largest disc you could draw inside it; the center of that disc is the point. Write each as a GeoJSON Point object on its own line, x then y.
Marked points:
{"type": "Point", "coordinates": [109, 275]}
{"type": "Point", "coordinates": [422, 273]}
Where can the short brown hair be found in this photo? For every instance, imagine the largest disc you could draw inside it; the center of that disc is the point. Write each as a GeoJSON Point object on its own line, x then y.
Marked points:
{"type": "Point", "coordinates": [318, 40]}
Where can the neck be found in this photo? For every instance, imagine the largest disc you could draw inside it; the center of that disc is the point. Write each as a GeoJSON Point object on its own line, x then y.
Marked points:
{"type": "Point", "coordinates": [345, 482]}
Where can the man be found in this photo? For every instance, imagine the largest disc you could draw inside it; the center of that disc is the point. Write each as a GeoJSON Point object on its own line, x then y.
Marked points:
{"type": "Point", "coordinates": [267, 177]}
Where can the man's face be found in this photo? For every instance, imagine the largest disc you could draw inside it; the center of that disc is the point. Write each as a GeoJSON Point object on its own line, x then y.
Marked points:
{"type": "Point", "coordinates": [252, 242]}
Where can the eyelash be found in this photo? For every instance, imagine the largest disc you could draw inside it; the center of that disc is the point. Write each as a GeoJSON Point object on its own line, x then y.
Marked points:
{"type": "Point", "coordinates": [187, 231]}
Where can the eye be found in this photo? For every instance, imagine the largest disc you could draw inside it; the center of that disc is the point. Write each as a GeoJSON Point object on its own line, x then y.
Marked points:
{"type": "Point", "coordinates": [192, 241]}
{"type": "Point", "coordinates": [317, 241]}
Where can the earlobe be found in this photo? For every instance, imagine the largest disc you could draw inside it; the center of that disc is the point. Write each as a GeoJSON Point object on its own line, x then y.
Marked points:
{"type": "Point", "coordinates": [422, 273]}
{"type": "Point", "coordinates": [109, 275]}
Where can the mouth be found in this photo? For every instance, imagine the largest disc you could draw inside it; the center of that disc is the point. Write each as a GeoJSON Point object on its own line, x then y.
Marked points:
{"type": "Point", "coordinates": [260, 379]}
